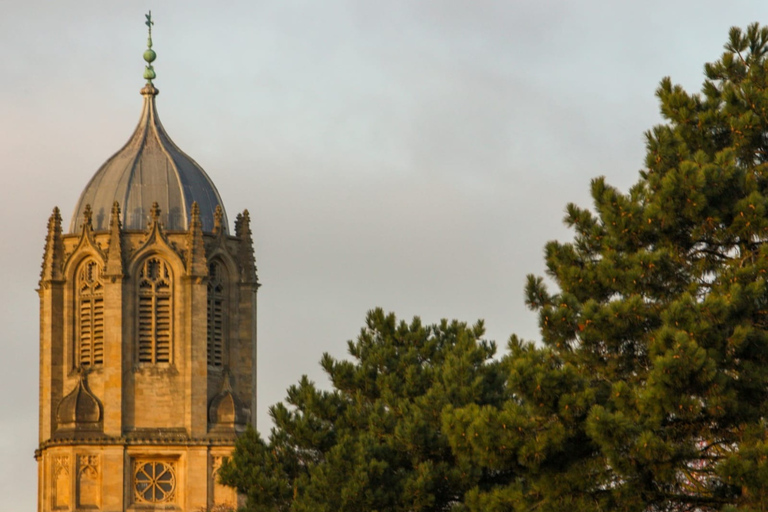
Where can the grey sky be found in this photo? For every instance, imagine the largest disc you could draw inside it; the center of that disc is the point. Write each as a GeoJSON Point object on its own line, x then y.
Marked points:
{"type": "Point", "coordinates": [414, 155]}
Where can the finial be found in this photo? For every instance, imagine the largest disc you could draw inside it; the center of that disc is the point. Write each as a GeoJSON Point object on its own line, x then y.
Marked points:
{"type": "Point", "coordinates": [155, 212]}
{"type": "Point", "coordinates": [194, 220]}
{"type": "Point", "coordinates": [115, 216]}
{"type": "Point", "coordinates": [87, 215]}
{"type": "Point", "coordinates": [226, 383]}
{"type": "Point", "coordinates": [196, 262]}
{"type": "Point", "coordinates": [218, 217]}
{"type": "Point", "coordinates": [114, 267]}
{"type": "Point", "coordinates": [149, 53]}
{"type": "Point", "coordinates": [245, 250]}
{"type": "Point", "coordinates": [54, 249]}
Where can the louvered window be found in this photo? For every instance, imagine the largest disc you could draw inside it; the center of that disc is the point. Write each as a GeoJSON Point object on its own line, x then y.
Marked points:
{"type": "Point", "coordinates": [216, 314]}
{"type": "Point", "coordinates": [90, 315]}
{"type": "Point", "coordinates": [155, 312]}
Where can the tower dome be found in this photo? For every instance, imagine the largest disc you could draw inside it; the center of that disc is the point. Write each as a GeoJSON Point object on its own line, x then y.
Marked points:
{"type": "Point", "coordinates": [149, 168]}
{"type": "Point", "coordinates": [147, 334]}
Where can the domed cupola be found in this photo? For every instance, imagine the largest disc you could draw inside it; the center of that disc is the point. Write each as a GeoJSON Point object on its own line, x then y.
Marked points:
{"type": "Point", "coordinates": [149, 168]}
{"type": "Point", "coordinates": [80, 410]}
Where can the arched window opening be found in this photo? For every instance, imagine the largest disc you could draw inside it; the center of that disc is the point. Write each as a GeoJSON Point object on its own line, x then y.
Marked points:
{"type": "Point", "coordinates": [154, 330]}
{"type": "Point", "coordinates": [217, 311]}
{"type": "Point", "coordinates": [90, 315]}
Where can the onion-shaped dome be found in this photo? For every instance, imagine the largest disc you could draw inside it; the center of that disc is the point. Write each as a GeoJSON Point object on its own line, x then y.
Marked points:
{"type": "Point", "coordinates": [79, 410]}
{"type": "Point", "coordinates": [225, 410]}
{"type": "Point", "coordinates": [149, 168]}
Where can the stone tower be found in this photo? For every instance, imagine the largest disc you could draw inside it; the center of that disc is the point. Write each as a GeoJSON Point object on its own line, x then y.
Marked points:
{"type": "Point", "coordinates": [147, 334]}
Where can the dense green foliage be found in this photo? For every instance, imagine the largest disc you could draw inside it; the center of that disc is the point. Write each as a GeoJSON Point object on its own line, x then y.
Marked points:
{"type": "Point", "coordinates": [648, 391]}
{"type": "Point", "coordinates": [375, 442]}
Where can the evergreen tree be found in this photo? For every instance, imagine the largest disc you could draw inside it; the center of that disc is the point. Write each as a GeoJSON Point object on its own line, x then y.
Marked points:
{"type": "Point", "coordinates": [650, 390]}
{"type": "Point", "coordinates": [375, 441]}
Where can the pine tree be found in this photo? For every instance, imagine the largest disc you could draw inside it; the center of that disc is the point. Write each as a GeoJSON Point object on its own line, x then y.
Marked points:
{"type": "Point", "coordinates": [375, 441]}
{"type": "Point", "coordinates": [650, 389]}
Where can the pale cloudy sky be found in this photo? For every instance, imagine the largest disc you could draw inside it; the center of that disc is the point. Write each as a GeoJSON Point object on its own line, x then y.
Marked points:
{"type": "Point", "coordinates": [414, 155]}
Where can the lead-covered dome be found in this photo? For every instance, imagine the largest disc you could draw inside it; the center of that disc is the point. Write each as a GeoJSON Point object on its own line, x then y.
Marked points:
{"type": "Point", "coordinates": [149, 168]}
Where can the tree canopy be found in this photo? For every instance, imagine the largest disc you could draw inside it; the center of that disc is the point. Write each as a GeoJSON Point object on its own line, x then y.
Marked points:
{"type": "Point", "coordinates": [374, 442]}
{"type": "Point", "coordinates": [648, 390]}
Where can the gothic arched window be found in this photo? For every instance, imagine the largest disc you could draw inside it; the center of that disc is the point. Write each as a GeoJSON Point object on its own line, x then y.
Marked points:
{"type": "Point", "coordinates": [90, 315]}
{"type": "Point", "coordinates": [217, 311]}
{"type": "Point", "coordinates": [154, 311]}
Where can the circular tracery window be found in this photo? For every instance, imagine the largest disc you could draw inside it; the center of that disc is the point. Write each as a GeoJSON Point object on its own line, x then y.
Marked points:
{"type": "Point", "coordinates": [154, 482]}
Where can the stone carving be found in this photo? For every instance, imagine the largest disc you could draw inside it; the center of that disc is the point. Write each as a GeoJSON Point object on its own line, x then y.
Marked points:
{"type": "Point", "coordinates": [53, 257]}
{"type": "Point", "coordinates": [225, 412]}
{"type": "Point", "coordinates": [154, 481]}
{"type": "Point", "coordinates": [61, 483]}
{"type": "Point", "coordinates": [80, 412]}
{"type": "Point", "coordinates": [223, 496]}
{"type": "Point", "coordinates": [88, 488]}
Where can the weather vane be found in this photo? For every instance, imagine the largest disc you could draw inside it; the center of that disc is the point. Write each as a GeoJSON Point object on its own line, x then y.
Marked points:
{"type": "Point", "coordinates": [149, 53]}
{"type": "Point", "coordinates": [149, 24]}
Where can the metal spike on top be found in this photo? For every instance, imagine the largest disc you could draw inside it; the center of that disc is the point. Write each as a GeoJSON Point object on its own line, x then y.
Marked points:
{"type": "Point", "coordinates": [149, 53]}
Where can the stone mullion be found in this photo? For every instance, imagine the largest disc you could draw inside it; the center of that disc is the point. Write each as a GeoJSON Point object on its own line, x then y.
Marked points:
{"type": "Point", "coordinates": [154, 326]}
{"type": "Point", "coordinates": [92, 327]}
{"type": "Point", "coordinates": [90, 300]}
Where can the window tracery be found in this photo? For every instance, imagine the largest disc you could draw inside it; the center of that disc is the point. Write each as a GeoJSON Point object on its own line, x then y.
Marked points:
{"type": "Point", "coordinates": [154, 311]}
{"type": "Point", "coordinates": [90, 315]}
{"type": "Point", "coordinates": [154, 481]}
{"type": "Point", "coordinates": [217, 322]}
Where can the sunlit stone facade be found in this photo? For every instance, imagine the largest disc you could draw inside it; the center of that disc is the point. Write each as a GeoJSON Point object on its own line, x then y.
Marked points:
{"type": "Point", "coordinates": [147, 336]}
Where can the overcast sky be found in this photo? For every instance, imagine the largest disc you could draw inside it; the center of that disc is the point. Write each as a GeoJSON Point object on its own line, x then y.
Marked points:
{"type": "Point", "coordinates": [413, 155]}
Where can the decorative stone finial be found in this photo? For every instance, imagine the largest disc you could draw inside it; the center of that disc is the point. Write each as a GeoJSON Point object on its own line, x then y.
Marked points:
{"type": "Point", "coordinates": [218, 218]}
{"type": "Point", "coordinates": [114, 219]}
{"type": "Point", "coordinates": [245, 254]}
{"type": "Point", "coordinates": [53, 257]}
{"type": "Point", "coordinates": [115, 251]}
{"type": "Point", "coordinates": [87, 217]}
{"type": "Point", "coordinates": [154, 212]}
{"type": "Point", "coordinates": [196, 262]}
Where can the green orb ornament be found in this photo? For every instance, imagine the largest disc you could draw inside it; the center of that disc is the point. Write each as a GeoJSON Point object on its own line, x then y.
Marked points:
{"type": "Point", "coordinates": [149, 73]}
{"type": "Point", "coordinates": [150, 55]}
